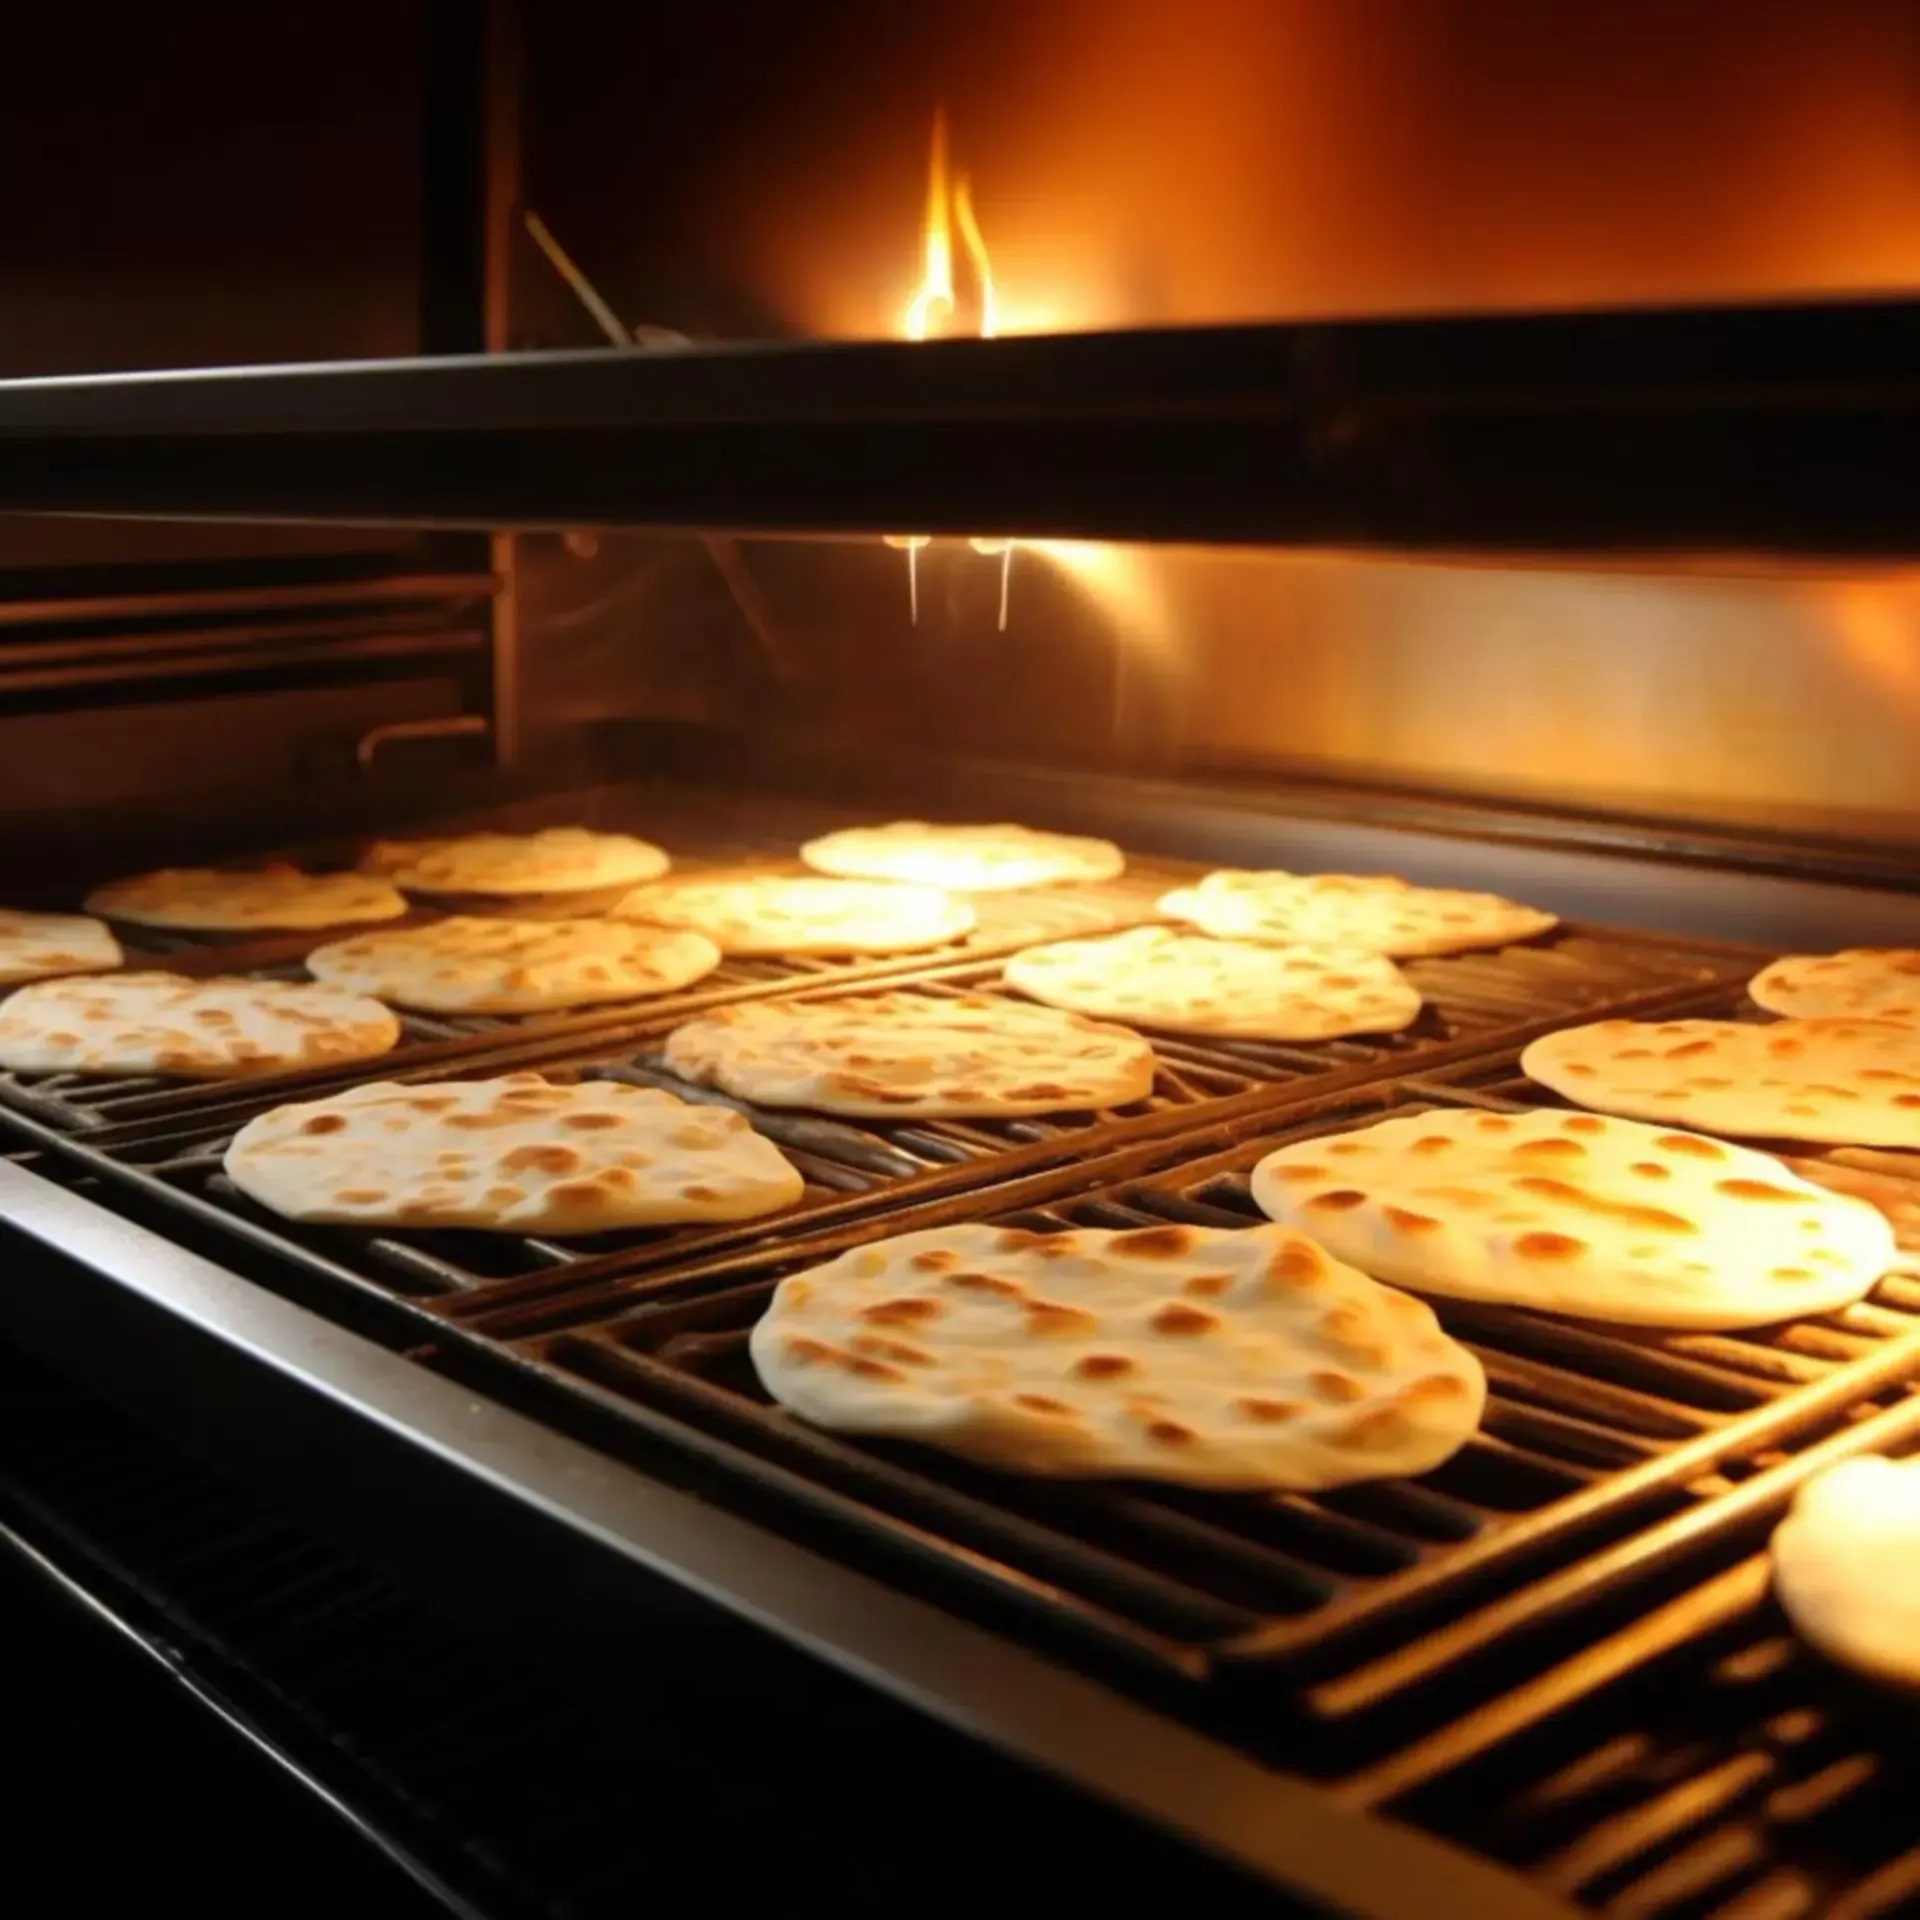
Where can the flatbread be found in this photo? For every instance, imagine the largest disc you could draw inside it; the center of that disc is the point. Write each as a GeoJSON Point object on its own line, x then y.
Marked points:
{"type": "Point", "coordinates": [35, 946]}
{"type": "Point", "coordinates": [1862, 983]}
{"type": "Point", "coordinates": [1578, 1214]}
{"type": "Point", "coordinates": [901, 1054]}
{"type": "Point", "coordinates": [1846, 1566]}
{"type": "Point", "coordinates": [515, 1155]}
{"type": "Point", "coordinates": [1848, 1081]}
{"type": "Point", "coordinates": [1233, 1358]}
{"type": "Point", "coordinates": [211, 1029]}
{"type": "Point", "coordinates": [967, 859]}
{"type": "Point", "coordinates": [554, 860]}
{"type": "Point", "coordinates": [246, 900]}
{"type": "Point", "coordinates": [769, 914]}
{"type": "Point", "coordinates": [466, 965]}
{"type": "Point", "coordinates": [1378, 912]}
{"type": "Point", "coordinates": [1187, 983]}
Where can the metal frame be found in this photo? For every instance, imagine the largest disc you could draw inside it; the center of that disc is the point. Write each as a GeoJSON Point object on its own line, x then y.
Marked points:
{"type": "Point", "coordinates": [1715, 430]}
{"type": "Point", "coordinates": [194, 1348]}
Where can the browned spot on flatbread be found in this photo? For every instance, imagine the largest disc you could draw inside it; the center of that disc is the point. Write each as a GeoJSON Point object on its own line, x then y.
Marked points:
{"type": "Point", "coordinates": [1299, 1170]}
{"type": "Point", "coordinates": [1339, 1200]}
{"type": "Point", "coordinates": [1580, 1200]}
{"type": "Point", "coordinates": [1268, 1412]}
{"type": "Point", "coordinates": [1691, 1144]}
{"type": "Point", "coordinates": [1045, 1403]}
{"type": "Point", "coordinates": [1050, 1316]}
{"type": "Point", "coordinates": [363, 1196]}
{"type": "Point", "coordinates": [1337, 1387]}
{"type": "Point", "coordinates": [1105, 1366]}
{"type": "Point", "coordinates": [1549, 1246]}
{"type": "Point", "coordinates": [1404, 1220]}
{"type": "Point", "coordinates": [908, 1310]}
{"type": "Point", "coordinates": [877, 1348]}
{"type": "Point", "coordinates": [323, 1123]}
{"type": "Point", "coordinates": [1298, 1263]}
{"type": "Point", "coordinates": [1552, 1147]}
{"type": "Point", "coordinates": [1169, 1433]}
{"type": "Point", "coordinates": [1207, 1286]}
{"type": "Point", "coordinates": [939, 1259]}
{"type": "Point", "coordinates": [1582, 1123]}
{"type": "Point", "coordinates": [1755, 1190]}
{"type": "Point", "coordinates": [1153, 1243]}
{"type": "Point", "coordinates": [986, 1283]}
{"type": "Point", "coordinates": [1182, 1322]}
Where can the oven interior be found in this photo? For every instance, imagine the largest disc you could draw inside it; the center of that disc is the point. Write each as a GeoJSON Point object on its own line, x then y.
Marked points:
{"type": "Point", "coordinates": [1559, 1652]}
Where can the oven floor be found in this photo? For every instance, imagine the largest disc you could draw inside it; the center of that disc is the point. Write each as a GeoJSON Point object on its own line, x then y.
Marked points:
{"type": "Point", "coordinates": [142, 1598]}
{"type": "Point", "coordinates": [99, 1740]}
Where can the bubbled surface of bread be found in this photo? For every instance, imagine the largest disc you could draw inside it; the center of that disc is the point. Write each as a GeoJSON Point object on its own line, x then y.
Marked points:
{"type": "Point", "coordinates": [255, 899]}
{"type": "Point", "coordinates": [966, 858]}
{"type": "Point", "coordinates": [902, 1053]}
{"type": "Point", "coordinates": [1848, 1082]}
{"type": "Point", "coordinates": [772, 914]}
{"type": "Point", "coordinates": [477, 965]}
{"type": "Point", "coordinates": [554, 860]}
{"type": "Point", "coordinates": [36, 946]}
{"type": "Point", "coordinates": [1580, 1214]}
{"type": "Point", "coordinates": [1379, 913]}
{"type": "Point", "coordinates": [1861, 983]}
{"type": "Point", "coordinates": [1226, 1358]}
{"type": "Point", "coordinates": [1190, 983]}
{"type": "Point", "coordinates": [1846, 1566]}
{"type": "Point", "coordinates": [517, 1155]}
{"type": "Point", "coordinates": [127, 1023]}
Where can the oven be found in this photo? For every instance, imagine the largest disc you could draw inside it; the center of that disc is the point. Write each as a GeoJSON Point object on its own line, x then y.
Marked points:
{"type": "Point", "coordinates": [1582, 574]}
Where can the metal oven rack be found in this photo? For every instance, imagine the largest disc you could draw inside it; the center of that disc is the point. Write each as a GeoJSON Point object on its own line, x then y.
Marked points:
{"type": "Point", "coordinates": [170, 1139]}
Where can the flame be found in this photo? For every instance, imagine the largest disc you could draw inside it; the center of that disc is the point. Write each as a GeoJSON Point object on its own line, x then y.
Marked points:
{"type": "Point", "coordinates": [934, 310]}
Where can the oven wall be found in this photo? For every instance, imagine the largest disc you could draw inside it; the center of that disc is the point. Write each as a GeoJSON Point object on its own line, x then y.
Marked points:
{"type": "Point", "coordinates": [1733, 697]}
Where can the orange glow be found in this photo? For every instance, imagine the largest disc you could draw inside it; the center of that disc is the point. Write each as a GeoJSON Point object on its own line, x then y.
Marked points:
{"type": "Point", "coordinates": [1877, 625]}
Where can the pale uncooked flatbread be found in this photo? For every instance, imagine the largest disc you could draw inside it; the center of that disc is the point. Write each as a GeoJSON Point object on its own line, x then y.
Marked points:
{"type": "Point", "coordinates": [1579, 1214]}
{"type": "Point", "coordinates": [1848, 1081]}
{"type": "Point", "coordinates": [34, 946]}
{"type": "Point", "coordinates": [1863, 983]}
{"type": "Point", "coordinates": [1229, 1358]}
{"type": "Point", "coordinates": [967, 859]}
{"type": "Point", "coordinates": [1379, 912]}
{"type": "Point", "coordinates": [516, 1155]}
{"type": "Point", "coordinates": [466, 965]}
{"type": "Point", "coordinates": [199, 1029]}
{"type": "Point", "coordinates": [554, 860]}
{"type": "Point", "coordinates": [246, 900]}
{"type": "Point", "coordinates": [773, 914]}
{"type": "Point", "coordinates": [1846, 1566]}
{"type": "Point", "coordinates": [1188, 983]}
{"type": "Point", "coordinates": [898, 1054]}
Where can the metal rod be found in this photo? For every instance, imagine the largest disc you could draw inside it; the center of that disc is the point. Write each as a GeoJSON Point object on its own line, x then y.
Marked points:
{"type": "Point", "coordinates": [728, 561]}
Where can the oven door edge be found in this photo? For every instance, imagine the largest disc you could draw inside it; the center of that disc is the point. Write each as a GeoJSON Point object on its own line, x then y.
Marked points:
{"type": "Point", "coordinates": [264, 1387]}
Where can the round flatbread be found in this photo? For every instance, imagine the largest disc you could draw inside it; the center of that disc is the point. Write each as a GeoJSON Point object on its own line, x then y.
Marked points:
{"type": "Point", "coordinates": [1210, 1357]}
{"type": "Point", "coordinates": [1863, 983]}
{"type": "Point", "coordinates": [554, 860]}
{"type": "Point", "coordinates": [1603, 1218]}
{"type": "Point", "coordinates": [900, 1054]}
{"type": "Point", "coordinates": [516, 1155]}
{"type": "Point", "coordinates": [1188, 983]}
{"type": "Point", "coordinates": [213, 1029]}
{"type": "Point", "coordinates": [967, 859]}
{"type": "Point", "coordinates": [1853, 1082]}
{"type": "Point", "coordinates": [246, 900]}
{"type": "Point", "coordinates": [1844, 1566]}
{"type": "Point", "coordinates": [514, 966]}
{"type": "Point", "coordinates": [771, 914]}
{"type": "Point", "coordinates": [1378, 912]}
{"type": "Point", "coordinates": [36, 946]}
